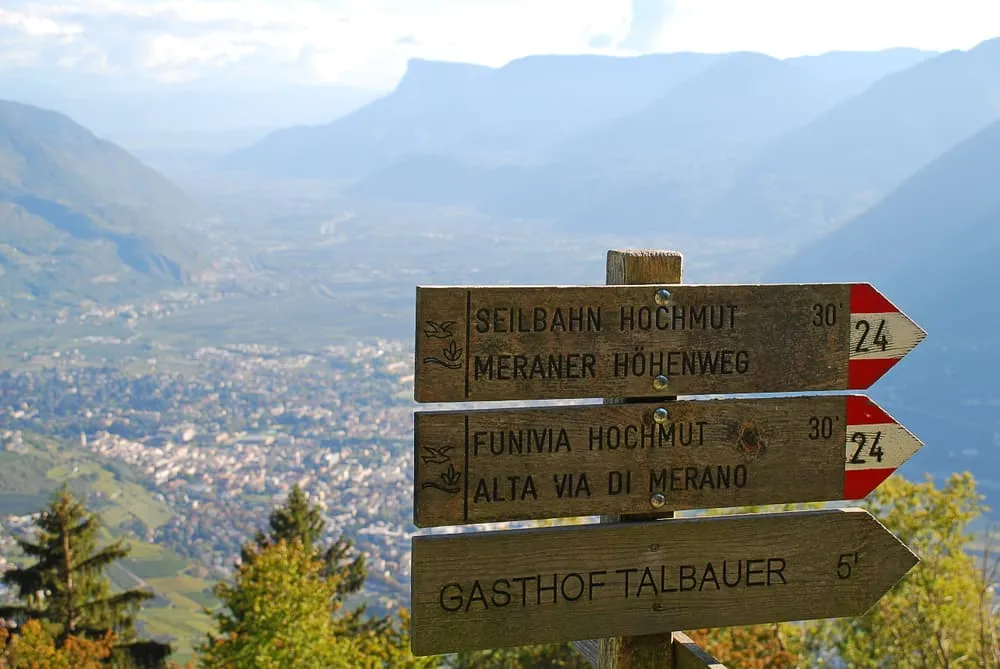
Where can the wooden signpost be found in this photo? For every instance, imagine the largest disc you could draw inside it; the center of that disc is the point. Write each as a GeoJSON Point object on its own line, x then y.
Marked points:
{"type": "Point", "coordinates": [519, 464]}
{"type": "Point", "coordinates": [545, 585]}
{"type": "Point", "coordinates": [634, 579]}
{"type": "Point", "coordinates": [633, 341]}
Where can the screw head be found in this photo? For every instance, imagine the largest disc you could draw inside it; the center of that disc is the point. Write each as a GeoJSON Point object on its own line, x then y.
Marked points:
{"type": "Point", "coordinates": [657, 500]}
{"type": "Point", "coordinates": [661, 416]}
{"type": "Point", "coordinates": [662, 297]}
{"type": "Point", "coordinates": [660, 382]}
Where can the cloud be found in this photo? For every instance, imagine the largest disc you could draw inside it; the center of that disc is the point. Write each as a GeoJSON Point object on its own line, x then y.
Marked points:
{"type": "Point", "coordinates": [368, 42]}
{"type": "Point", "coordinates": [602, 41]}
{"type": "Point", "coordinates": [784, 28]}
{"type": "Point", "coordinates": [352, 41]}
{"type": "Point", "coordinates": [648, 18]}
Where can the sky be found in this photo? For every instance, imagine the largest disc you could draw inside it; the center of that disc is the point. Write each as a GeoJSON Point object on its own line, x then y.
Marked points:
{"type": "Point", "coordinates": [368, 42]}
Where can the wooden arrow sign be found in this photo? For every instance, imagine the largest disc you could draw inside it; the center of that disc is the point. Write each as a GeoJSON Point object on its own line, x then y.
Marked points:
{"type": "Point", "coordinates": [548, 585]}
{"type": "Point", "coordinates": [507, 343]}
{"type": "Point", "coordinates": [519, 464]}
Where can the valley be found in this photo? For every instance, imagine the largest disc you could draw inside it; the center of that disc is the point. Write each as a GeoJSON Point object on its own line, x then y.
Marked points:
{"type": "Point", "coordinates": [185, 345]}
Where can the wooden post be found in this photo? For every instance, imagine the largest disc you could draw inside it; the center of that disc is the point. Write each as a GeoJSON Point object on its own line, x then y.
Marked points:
{"type": "Point", "coordinates": [830, 317]}
{"type": "Point", "coordinates": [656, 651]}
{"type": "Point", "coordinates": [685, 654]}
{"type": "Point", "coordinates": [653, 651]}
{"type": "Point", "coordinates": [689, 655]}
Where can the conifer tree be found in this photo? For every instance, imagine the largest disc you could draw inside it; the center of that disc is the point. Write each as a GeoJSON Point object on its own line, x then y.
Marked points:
{"type": "Point", "coordinates": [276, 614]}
{"type": "Point", "coordinates": [380, 641]}
{"type": "Point", "coordinates": [297, 520]}
{"type": "Point", "coordinates": [67, 591]}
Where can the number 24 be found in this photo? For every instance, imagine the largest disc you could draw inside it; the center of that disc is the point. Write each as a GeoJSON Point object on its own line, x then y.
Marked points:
{"type": "Point", "coordinates": [861, 439]}
{"type": "Point", "coordinates": [879, 339]}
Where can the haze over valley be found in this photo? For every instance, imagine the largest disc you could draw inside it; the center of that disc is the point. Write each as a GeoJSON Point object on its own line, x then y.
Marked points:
{"type": "Point", "coordinates": [207, 281]}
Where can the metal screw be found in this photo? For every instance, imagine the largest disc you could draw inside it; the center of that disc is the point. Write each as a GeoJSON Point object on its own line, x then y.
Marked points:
{"type": "Point", "coordinates": [662, 297]}
{"type": "Point", "coordinates": [660, 382]}
{"type": "Point", "coordinates": [661, 416]}
{"type": "Point", "coordinates": [657, 500]}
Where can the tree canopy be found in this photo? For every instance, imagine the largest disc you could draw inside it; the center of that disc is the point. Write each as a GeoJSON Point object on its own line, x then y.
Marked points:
{"type": "Point", "coordinates": [277, 614]}
{"type": "Point", "coordinates": [290, 560]}
{"type": "Point", "coordinates": [66, 590]}
{"type": "Point", "coordinates": [35, 648]}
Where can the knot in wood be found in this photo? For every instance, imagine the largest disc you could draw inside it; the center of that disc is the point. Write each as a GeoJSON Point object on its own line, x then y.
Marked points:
{"type": "Point", "coordinates": [749, 441]}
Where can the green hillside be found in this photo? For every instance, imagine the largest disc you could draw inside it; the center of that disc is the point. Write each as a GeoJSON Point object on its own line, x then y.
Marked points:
{"type": "Point", "coordinates": [33, 467]}
{"type": "Point", "coordinates": [80, 218]}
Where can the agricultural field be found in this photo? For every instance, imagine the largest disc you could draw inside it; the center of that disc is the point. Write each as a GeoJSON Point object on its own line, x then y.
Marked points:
{"type": "Point", "coordinates": [34, 468]}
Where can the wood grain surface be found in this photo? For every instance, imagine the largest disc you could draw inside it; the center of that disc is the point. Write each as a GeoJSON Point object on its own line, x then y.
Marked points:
{"type": "Point", "coordinates": [492, 465]}
{"type": "Point", "coordinates": [517, 343]}
{"type": "Point", "coordinates": [548, 585]}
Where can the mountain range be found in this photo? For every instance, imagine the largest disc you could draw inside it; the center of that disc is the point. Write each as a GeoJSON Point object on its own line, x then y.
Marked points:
{"type": "Point", "coordinates": [732, 145]}
{"type": "Point", "coordinates": [80, 218]}
{"type": "Point", "coordinates": [932, 245]}
{"type": "Point", "coordinates": [119, 105]}
{"type": "Point", "coordinates": [522, 111]}
{"type": "Point", "coordinates": [881, 166]}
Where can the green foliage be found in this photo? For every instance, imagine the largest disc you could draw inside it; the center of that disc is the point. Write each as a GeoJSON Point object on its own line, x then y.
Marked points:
{"type": "Point", "coordinates": [770, 646]}
{"type": "Point", "coordinates": [115, 493]}
{"type": "Point", "coordinates": [555, 656]}
{"type": "Point", "coordinates": [35, 648]}
{"type": "Point", "coordinates": [21, 472]}
{"type": "Point", "coordinates": [299, 521]}
{"type": "Point", "coordinates": [76, 211]}
{"type": "Point", "coordinates": [289, 559]}
{"type": "Point", "coordinates": [944, 612]}
{"type": "Point", "coordinates": [277, 615]}
{"type": "Point", "coordinates": [66, 589]}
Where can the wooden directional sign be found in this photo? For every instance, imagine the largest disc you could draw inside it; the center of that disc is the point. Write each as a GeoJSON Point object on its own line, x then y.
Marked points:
{"type": "Point", "coordinates": [518, 464]}
{"type": "Point", "coordinates": [547, 585]}
{"type": "Point", "coordinates": [498, 343]}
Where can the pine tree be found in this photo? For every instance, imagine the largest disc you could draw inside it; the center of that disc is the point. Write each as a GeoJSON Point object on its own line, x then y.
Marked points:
{"type": "Point", "coordinates": [67, 591]}
{"type": "Point", "coordinates": [381, 641]}
{"type": "Point", "coordinates": [276, 614]}
{"type": "Point", "coordinates": [300, 521]}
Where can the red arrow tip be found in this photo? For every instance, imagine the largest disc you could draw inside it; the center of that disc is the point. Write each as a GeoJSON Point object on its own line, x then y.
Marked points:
{"type": "Point", "coordinates": [863, 373]}
{"type": "Point", "coordinates": [866, 300]}
{"type": "Point", "coordinates": [859, 482]}
{"type": "Point", "coordinates": [862, 411]}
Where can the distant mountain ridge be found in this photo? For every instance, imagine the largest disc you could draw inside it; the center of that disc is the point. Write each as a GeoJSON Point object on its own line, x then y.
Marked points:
{"type": "Point", "coordinates": [955, 194]}
{"type": "Point", "coordinates": [78, 213]}
{"type": "Point", "coordinates": [512, 115]}
{"type": "Point", "coordinates": [471, 110]}
{"type": "Point", "coordinates": [111, 104]}
{"type": "Point", "coordinates": [691, 123]}
{"type": "Point", "coordinates": [47, 154]}
{"type": "Point", "coordinates": [931, 246]}
{"type": "Point", "coordinates": [846, 160]}
{"type": "Point", "coordinates": [670, 161]}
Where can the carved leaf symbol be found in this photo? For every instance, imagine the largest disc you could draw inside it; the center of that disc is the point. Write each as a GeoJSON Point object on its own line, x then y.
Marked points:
{"type": "Point", "coordinates": [452, 352]}
{"type": "Point", "coordinates": [451, 477]}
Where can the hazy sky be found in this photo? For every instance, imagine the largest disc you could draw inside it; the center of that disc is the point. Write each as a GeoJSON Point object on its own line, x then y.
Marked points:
{"type": "Point", "coordinates": [367, 42]}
